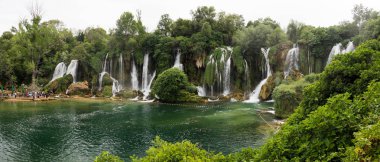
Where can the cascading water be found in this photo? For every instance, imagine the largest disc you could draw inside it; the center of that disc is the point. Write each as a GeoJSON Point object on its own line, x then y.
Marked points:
{"type": "Point", "coordinates": [60, 71]}
{"type": "Point", "coordinates": [116, 87]}
{"type": "Point", "coordinates": [334, 51]}
{"type": "Point", "coordinates": [177, 62]}
{"type": "Point", "coordinates": [350, 47]}
{"type": "Point", "coordinates": [220, 62]}
{"type": "Point", "coordinates": [134, 78]}
{"type": "Point", "coordinates": [254, 97]}
{"type": "Point", "coordinates": [227, 77]}
{"type": "Point", "coordinates": [121, 72]}
{"type": "Point", "coordinates": [201, 91]}
{"type": "Point", "coordinates": [105, 64]}
{"type": "Point", "coordinates": [291, 62]}
{"type": "Point", "coordinates": [145, 75]}
{"type": "Point", "coordinates": [115, 83]}
{"type": "Point", "coordinates": [147, 90]}
{"type": "Point", "coordinates": [72, 69]}
{"type": "Point", "coordinates": [146, 78]}
{"type": "Point", "coordinates": [337, 49]}
{"type": "Point", "coordinates": [246, 73]}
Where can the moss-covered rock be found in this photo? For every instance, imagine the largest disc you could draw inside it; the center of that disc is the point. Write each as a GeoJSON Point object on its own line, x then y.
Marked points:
{"type": "Point", "coordinates": [107, 81]}
{"type": "Point", "coordinates": [79, 88]}
{"type": "Point", "coordinates": [267, 88]}
{"type": "Point", "coordinates": [128, 94]}
{"type": "Point", "coordinates": [59, 85]}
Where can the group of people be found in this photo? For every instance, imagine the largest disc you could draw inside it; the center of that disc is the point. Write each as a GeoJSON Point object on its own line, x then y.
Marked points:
{"type": "Point", "coordinates": [22, 92]}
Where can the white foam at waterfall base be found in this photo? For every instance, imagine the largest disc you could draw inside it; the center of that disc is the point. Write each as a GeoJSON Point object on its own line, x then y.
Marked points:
{"type": "Point", "coordinates": [59, 71]}
{"type": "Point", "coordinates": [72, 69]}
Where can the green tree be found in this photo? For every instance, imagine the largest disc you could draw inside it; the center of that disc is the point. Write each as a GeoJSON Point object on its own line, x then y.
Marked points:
{"type": "Point", "coordinates": [105, 156]}
{"type": "Point", "coordinates": [173, 86]}
{"type": "Point", "coordinates": [164, 26]}
{"type": "Point", "coordinates": [179, 151]}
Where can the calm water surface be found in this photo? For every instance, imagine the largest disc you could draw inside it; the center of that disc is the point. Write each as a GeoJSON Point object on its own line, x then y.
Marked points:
{"type": "Point", "coordinates": [78, 131]}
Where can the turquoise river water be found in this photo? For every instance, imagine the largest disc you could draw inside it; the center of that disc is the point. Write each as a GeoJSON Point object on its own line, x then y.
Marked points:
{"type": "Point", "coordinates": [78, 131]}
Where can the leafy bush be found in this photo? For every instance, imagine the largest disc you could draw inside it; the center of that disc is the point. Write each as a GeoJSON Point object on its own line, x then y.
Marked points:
{"type": "Point", "coordinates": [107, 91]}
{"type": "Point", "coordinates": [105, 156]}
{"type": "Point", "coordinates": [179, 151]}
{"type": "Point", "coordinates": [172, 85]}
{"type": "Point", "coordinates": [367, 145]}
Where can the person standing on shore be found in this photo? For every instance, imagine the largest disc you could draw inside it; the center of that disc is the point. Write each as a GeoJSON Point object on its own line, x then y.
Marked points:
{"type": "Point", "coordinates": [2, 89]}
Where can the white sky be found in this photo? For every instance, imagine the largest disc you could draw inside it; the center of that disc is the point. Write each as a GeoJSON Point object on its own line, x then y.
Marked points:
{"type": "Point", "coordinates": [79, 14]}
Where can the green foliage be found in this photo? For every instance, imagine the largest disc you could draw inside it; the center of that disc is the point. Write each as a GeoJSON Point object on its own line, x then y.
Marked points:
{"type": "Point", "coordinates": [179, 151]}
{"type": "Point", "coordinates": [238, 60]}
{"type": "Point", "coordinates": [107, 91]}
{"type": "Point", "coordinates": [341, 102]}
{"type": "Point", "coordinates": [367, 145]}
{"type": "Point", "coordinates": [172, 86]}
{"type": "Point", "coordinates": [105, 156]}
{"type": "Point", "coordinates": [288, 95]}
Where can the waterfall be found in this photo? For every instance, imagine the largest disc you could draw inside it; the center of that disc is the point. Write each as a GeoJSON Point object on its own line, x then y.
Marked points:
{"type": "Point", "coordinates": [115, 87]}
{"type": "Point", "coordinates": [121, 72]}
{"type": "Point", "coordinates": [134, 78]}
{"type": "Point", "coordinates": [220, 60]}
{"type": "Point", "coordinates": [350, 47]}
{"type": "Point", "coordinates": [201, 91]}
{"type": "Point", "coordinates": [291, 62]}
{"type": "Point", "coordinates": [105, 64]}
{"type": "Point", "coordinates": [337, 49]}
{"type": "Point", "coordinates": [147, 90]}
{"type": "Point", "coordinates": [115, 83]}
{"type": "Point", "coordinates": [334, 51]}
{"type": "Point", "coordinates": [254, 97]}
{"type": "Point", "coordinates": [146, 78]}
{"type": "Point", "coordinates": [101, 75]}
{"type": "Point", "coordinates": [266, 56]}
{"type": "Point", "coordinates": [227, 77]}
{"type": "Point", "coordinates": [72, 69]}
{"type": "Point", "coordinates": [60, 71]}
{"type": "Point", "coordinates": [177, 62]}
{"type": "Point", "coordinates": [246, 73]}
